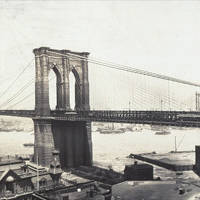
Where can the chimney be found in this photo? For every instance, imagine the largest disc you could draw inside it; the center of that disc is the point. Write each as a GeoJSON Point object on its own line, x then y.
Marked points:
{"type": "Point", "coordinates": [55, 170]}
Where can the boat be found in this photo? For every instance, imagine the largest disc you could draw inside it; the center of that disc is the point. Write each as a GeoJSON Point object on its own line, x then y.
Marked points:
{"type": "Point", "coordinates": [28, 144]}
{"type": "Point", "coordinates": [138, 129]}
{"type": "Point", "coordinates": [162, 132]}
{"type": "Point", "coordinates": [176, 148]}
{"type": "Point", "coordinates": [111, 130]}
{"type": "Point", "coordinates": [156, 128]}
{"type": "Point", "coordinates": [129, 129]}
{"type": "Point", "coordinates": [179, 173]}
{"type": "Point", "coordinates": [189, 151]}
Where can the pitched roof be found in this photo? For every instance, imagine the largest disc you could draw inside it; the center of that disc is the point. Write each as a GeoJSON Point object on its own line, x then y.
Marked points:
{"type": "Point", "coordinates": [7, 173]}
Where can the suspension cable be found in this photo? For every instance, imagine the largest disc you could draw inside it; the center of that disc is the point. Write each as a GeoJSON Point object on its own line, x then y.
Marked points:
{"type": "Point", "coordinates": [26, 97]}
{"type": "Point", "coordinates": [28, 84]}
{"type": "Point", "coordinates": [115, 66]}
{"type": "Point", "coordinates": [18, 76]}
{"type": "Point", "coordinates": [128, 69]}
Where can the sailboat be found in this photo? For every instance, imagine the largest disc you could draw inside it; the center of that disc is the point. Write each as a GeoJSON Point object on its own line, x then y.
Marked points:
{"type": "Point", "coordinates": [111, 130]}
{"type": "Point", "coordinates": [176, 148]}
{"type": "Point", "coordinates": [163, 131]}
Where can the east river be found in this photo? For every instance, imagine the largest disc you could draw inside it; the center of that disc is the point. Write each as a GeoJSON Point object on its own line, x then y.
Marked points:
{"type": "Point", "coordinates": [113, 149]}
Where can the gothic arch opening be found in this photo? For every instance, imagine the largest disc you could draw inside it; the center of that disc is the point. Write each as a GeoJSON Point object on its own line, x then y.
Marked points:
{"type": "Point", "coordinates": [72, 82]}
{"type": "Point", "coordinates": [54, 88]}
{"type": "Point", "coordinates": [75, 90]}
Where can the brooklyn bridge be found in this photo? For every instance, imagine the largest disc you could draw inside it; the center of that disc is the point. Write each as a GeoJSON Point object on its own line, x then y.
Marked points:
{"type": "Point", "coordinates": [69, 129]}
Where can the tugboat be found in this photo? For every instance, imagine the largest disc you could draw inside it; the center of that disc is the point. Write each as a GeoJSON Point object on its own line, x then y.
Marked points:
{"type": "Point", "coordinates": [162, 132]}
{"type": "Point", "coordinates": [28, 144]}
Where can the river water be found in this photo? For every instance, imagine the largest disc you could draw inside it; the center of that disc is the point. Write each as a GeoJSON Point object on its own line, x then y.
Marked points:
{"type": "Point", "coordinates": [112, 149]}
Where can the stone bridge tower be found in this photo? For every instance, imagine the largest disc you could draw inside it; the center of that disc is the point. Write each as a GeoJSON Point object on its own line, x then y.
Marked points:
{"type": "Point", "coordinates": [72, 139]}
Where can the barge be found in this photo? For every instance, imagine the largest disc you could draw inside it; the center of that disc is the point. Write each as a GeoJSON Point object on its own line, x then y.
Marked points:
{"type": "Point", "coordinates": [166, 161]}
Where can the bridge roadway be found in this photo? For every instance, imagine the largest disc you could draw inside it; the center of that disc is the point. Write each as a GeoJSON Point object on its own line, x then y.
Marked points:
{"type": "Point", "coordinates": [171, 118]}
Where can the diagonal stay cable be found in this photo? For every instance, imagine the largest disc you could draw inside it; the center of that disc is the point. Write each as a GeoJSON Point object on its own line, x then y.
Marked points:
{"type": "Point", "coordinates": [26, 97]}
{"type": "Point", "coordinates": [18, 76]}
{"type": "Point", "coordinates": [19, 92]}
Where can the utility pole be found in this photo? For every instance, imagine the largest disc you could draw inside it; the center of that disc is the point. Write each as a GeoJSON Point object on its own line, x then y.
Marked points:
{"type": "Point", "coordinates": [175, 145]}
{"type": "Point", "coordinates": [169, 96]}
{"type": "Point", "coordinates": [38, 183]}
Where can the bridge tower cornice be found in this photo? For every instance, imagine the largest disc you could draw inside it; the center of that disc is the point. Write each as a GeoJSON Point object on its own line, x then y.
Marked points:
{"type": "Point", "coordinates": [59, 53]}
{"type": "Point", "coordinates": [41, 50]}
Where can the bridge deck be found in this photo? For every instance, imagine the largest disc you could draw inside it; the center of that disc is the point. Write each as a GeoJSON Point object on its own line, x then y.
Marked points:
{"type": "Point", "coordinates": [172, 118]}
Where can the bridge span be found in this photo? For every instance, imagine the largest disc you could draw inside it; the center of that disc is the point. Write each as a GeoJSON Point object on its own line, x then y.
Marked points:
{"type": "Point", "coordinates": [169, 118]}
{"type": "Point", "coordinates": [70, 131]}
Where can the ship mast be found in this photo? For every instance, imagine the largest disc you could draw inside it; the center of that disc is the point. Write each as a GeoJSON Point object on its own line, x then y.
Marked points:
{"type": "Point", "coordinates": [175, 145]}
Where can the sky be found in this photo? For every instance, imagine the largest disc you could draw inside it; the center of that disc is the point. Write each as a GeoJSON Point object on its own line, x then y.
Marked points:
{"type": "Point", "coordinates": [158, 36]}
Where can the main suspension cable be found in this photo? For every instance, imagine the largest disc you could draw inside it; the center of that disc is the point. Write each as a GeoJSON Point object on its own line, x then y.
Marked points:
{"type": "Point", "coordinates": [126, 68]}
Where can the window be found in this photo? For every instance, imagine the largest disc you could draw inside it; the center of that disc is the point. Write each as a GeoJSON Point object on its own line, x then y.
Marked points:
{"type": "Point", "coordinates": [66, 198]}
{"type": "Point", "coordinates": [10, 187]}
{"type": "Point", "coordinates": [43, 182]}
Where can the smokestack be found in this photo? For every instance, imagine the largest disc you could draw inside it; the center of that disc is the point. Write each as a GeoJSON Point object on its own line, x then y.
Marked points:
{"type": "Point", "coordinates": [197, 160]}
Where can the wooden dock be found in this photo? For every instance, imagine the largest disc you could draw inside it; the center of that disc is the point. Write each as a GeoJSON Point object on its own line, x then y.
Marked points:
{"type": "Point", "coordinates": [178, 166]}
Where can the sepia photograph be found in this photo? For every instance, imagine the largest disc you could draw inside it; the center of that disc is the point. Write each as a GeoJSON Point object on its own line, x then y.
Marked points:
{"type": "Point", "coordinates": [99, 100]}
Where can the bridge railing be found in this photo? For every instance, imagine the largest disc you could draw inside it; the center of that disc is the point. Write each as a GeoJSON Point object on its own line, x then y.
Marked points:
{"type": "Point", "coordinates": [183, 118]}
{"type": "Point", "coordinates": [163, 116]}
{"type": "Point", "coordinates": [132, 115]}
{"type": "Point", "coordinates": [22, 113]}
